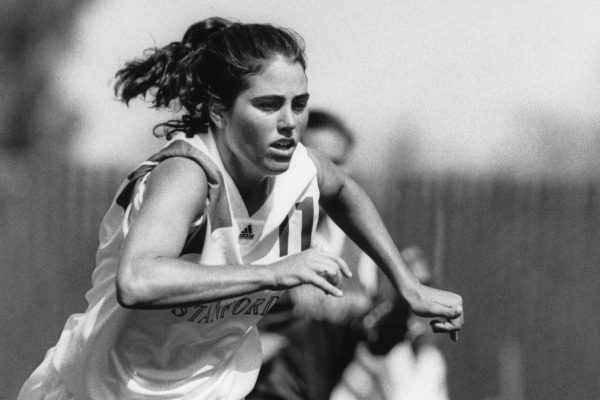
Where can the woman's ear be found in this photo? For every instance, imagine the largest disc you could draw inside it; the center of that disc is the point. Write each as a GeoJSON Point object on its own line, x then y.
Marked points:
{"type": "Point", "coordinates": [216, 111]}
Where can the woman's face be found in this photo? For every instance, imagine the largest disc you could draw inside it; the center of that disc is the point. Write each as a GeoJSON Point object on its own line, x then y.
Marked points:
{"type": "Point", "coordinates": [259, 134]}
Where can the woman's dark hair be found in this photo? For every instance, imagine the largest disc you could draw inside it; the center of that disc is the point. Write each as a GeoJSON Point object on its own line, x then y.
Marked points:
{"type": "Point", "coordinates": [211, 62]}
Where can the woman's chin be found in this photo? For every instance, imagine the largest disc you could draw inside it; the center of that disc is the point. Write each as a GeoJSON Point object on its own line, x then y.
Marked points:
{"type": "Point", "coordinates": [277, 167]}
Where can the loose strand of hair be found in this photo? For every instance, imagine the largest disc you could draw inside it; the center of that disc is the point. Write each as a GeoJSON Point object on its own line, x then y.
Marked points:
{"type": "Point", "coordinates": [156, 73]}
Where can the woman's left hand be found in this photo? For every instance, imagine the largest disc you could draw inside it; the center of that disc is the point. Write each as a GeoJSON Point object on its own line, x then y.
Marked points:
{"type": "Point", "coordinates": [429, 302]}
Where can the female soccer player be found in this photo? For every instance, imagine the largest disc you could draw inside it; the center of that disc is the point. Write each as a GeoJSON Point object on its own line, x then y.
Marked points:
{"type": "Point", "coordinates": [202, 238]}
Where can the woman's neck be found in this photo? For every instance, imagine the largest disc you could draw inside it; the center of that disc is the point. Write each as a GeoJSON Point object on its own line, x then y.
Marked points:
{"type": "Point", "coordinates": [253, 187]}
{"type": "Point", "coordinates": [254, 197]}
{"type": "Point", "coordinates": [254, 191]}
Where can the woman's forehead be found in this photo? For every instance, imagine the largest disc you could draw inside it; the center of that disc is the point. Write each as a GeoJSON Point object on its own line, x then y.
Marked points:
{"type": "Point", "coordinates": [280, 76]}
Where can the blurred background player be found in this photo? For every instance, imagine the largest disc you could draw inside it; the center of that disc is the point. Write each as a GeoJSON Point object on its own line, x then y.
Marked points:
{"type": "Point", "coordinates": [310, 338]}
{"type": "Point", "coordinates": [414, 369]}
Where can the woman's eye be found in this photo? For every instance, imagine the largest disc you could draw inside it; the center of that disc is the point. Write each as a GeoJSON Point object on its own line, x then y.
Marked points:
{"type": "Point", "coordinates": [268, 106]}
{"type": "Point", "coordinates": [299, 106]}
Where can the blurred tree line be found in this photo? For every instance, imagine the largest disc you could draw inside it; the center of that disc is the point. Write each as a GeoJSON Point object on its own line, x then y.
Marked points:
{"type": "Point", "coordinates": [35, 129]}
{"type": "Point", "coordinates": [34, 36]}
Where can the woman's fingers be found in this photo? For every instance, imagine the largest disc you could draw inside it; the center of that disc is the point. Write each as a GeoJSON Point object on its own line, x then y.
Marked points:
{"type": "Point", "coordinates": [327, 287]}
{"type": "Point", "coordinates": [446, 305]}
{"type": "Point", "coordinates": [343, 267]}
{"type": "Point", "coordinates": [329, 270]}
{"type": "Point", "coordinates": [437, 303]}
{"type": "Point", "coordinates": [333, 277]}
{"type": "Point", "coordinates": [450, 311]}
{"type": "Point", "coordinates": [320, 268]}
{"type": "Point", "coordinates": [452, 326]}
{"type": "Point", "coordinates": [443, 326]}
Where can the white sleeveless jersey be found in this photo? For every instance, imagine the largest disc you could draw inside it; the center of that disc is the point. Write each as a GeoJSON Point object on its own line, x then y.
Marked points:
{"type": "Point", "coordinates": [209, 351]}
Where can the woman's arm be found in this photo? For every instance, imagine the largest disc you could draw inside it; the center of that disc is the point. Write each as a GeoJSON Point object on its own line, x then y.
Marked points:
{"type": "Point", "coordinates": [354, 212]}
{"type": "Point", "coordinates": [151, 273]}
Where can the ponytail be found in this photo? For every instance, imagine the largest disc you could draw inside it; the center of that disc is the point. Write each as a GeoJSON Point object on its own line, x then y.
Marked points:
{"type": "Point", "coordinates": [211, 61]}
{"type": "Point", "coordinates": [157, 71]}
{"type": "Point", "coordinates": [160, 68]}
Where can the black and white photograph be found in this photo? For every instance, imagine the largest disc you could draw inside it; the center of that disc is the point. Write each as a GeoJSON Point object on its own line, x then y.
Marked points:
{"type": "Point", "coordinates": [317, 200]}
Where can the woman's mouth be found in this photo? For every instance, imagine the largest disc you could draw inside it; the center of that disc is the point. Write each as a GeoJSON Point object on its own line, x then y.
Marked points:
{"type": "Point", "coordinates": [284, 147]}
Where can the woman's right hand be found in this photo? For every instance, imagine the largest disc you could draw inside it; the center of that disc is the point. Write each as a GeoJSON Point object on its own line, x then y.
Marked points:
{"type": "Point", "coordinates": [317, 267]}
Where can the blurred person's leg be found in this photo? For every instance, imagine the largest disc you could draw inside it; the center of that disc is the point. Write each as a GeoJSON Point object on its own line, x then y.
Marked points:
{"type": "Point", "coordinates": [311, 364]}
{"type": "Point", "coordinates": [362, 378]}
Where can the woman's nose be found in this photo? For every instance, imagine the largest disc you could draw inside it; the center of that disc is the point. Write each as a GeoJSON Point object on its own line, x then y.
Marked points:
{"type": "Point", "coordinates": [287, 119]}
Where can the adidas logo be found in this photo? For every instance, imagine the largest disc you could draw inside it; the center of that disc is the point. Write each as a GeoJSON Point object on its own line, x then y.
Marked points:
{"type": "Point", "coordinates": [247, 233]}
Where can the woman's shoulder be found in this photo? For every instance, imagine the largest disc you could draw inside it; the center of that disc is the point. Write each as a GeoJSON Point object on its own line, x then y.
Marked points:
{"type": "Point", "coordinates": [179, 176]}
{"type": "Point", "coordinates": [178, 170]}
{"type": "Point", "coordinates": [329, 176]}
{"type": "Point", "coordinates": [181, 156]}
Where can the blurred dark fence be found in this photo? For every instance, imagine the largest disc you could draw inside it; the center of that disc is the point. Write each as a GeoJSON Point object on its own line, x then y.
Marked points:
{"type": "Point", "coordinates": [524, 256]}
{"type": "Point", "coordinates": [47, 253]}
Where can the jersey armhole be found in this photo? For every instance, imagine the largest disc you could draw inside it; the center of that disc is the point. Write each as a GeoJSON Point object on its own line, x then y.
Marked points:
{"type": "Point", "coordinates": [137, 197]}
{"type": "Point", "coordinates": [135, 203]}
